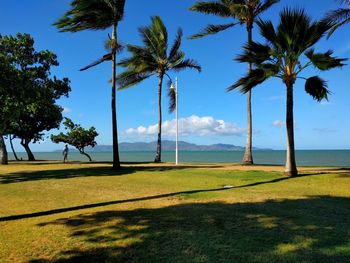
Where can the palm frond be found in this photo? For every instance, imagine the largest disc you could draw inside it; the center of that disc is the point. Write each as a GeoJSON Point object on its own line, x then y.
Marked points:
{"type": "Point", "coordinates": [254, 53]}
{"type": "Point", "coordinates": [212, 29]}
{"type": "Point", "coordinates": [255, 77]}
{"type": "Point", "coordinates": [172, 97]}
{"type": "Point", "coordinates": [91, 15]}
{"type": "Point", "coordinates": [130, 78]}
{"type": "Point", "coordinates": [317, 88]}
{"type": "Point", "coordinates": [267, 30]}
{"type": "Point", "coordinates": [177, 43]}
{"type": "Point", "coordinates": [339, 17]}
{"type": "Point", "coordinates": [155, 37]}
{"type": "Point", "coordinates": [187, 63]}
{"type": "Point", "coordinates": [251, 80]}
{"type": "Point", "coordinates": [106, 57]}
{"type": "Point", "coordinates": [212, 8]}
{"type": "Point", "coordinates": [263, 6]}
{"type": "Point", "coordinates": [324, 61]}
{"type": "Point", "coordinates": [179, 56]}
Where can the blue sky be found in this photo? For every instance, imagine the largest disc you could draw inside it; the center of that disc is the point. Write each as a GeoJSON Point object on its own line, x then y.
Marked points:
{"type": "Point", "coordinates": [210, 115]}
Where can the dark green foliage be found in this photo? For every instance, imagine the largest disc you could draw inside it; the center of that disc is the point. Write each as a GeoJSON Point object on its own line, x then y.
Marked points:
{"type": "Point", "coordinates": [28, 93]}
{"type": "Point", "coordinates": [324, 61]}
{"type": "Point", "coordinates": [281, 56]}
{"type": "Point", "coordinates": [339, 17]}
{"type": "Point", "coordinates": [77, 136]}
{"type": "Point", "coordinates": [256, 77]}
{"type": "Point", "coordinates": [212, 29]}
{"type": "Point", "coordinates": [153, 58]}
{"type": "Point", "coordinates": [317, 88]}
{"type": "Point", "coordinates": [91, 15]}
{"type": "Point", "coordinates": [243, 11]}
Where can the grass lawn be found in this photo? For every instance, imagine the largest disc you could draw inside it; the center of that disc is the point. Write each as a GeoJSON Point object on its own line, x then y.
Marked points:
{"type": "Point", "coordinates": [51, 212]}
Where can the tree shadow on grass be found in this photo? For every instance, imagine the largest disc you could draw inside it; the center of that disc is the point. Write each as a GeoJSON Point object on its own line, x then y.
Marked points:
{"type": "Point", "coordinates": [305, 230]}
{"type": "Point", "coordinates": [146, 198]}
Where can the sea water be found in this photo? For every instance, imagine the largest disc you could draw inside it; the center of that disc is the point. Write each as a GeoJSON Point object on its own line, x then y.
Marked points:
{"type": "Point", "coordinates": [303, 157]}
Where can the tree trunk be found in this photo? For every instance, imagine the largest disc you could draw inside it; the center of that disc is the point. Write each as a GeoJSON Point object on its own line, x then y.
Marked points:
{"type": "Point", "coordinates": [159, 140]}
{"type": "Point", "coordinates": [248, 156]}
{"type": "Point", "coordinates": [116, 160]}
{"type": "Point", "coordinates": [25, 144]}
{"type": "Point", "coordinates": [291, 168]}
{"type": "Point", "coordinates": [13, 148]}
{"type": "Point", "coordinates": [3, 151]}
{"type": "Point", "coordinates": [87, 155]}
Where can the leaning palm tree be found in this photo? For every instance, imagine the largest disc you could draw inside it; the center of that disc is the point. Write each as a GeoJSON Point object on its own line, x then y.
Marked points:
{"type": "Point", "coordinates": [339, 16]}
{"type": "Point", "coordinates": [154, 58]}
{"type": "Point", "coordinates": [245, 12]}
{"type": "Point", "coordinates": [98, 15]}
{"type": "Point", "coordinates": [282, 57]}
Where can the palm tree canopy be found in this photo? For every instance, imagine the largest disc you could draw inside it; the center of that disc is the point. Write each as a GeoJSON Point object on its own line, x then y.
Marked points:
{"type": "Point", "coordinates": [243, 11]}
{"type": "Point", "coordinates": [339, 16]}
{"type": "Point", "coordinates": [153, 57]}
{"type": "Point", "coordinates": [281, 57]}
{"type": "Point", "coordinates": [91, 14]}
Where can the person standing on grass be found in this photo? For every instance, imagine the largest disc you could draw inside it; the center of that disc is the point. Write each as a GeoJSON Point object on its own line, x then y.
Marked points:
{"type": "Point", "coordinates": [65, 153]}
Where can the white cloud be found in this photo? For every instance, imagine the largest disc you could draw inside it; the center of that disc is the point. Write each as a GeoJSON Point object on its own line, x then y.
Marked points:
{"type": "Point", "coordinates": [66, 110]}
{"type": "Point", "coordinates": [278, 123]}
{"type": "Point", "coordinates": [193, 125]}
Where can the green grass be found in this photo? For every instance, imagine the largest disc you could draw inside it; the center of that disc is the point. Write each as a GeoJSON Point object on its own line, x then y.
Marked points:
{"type": "Point", "coordinates": [52, 212]}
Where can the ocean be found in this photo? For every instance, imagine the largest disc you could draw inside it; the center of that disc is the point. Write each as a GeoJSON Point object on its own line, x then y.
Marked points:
{"type": "Point", "coordinates": [304, 157]}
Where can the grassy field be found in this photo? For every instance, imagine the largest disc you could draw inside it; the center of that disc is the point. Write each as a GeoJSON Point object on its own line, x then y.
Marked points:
{"type": "Point", "coordinates": [51, 212]}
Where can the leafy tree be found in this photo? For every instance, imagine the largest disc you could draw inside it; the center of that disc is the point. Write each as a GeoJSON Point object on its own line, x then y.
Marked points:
{"type": "Point", "coordinates": [37, 110]}
{"type": "Point", "coordinates": [98, 15]}
{"type": "Point", "coordinates": [245, 12]}
{"type": "Point", "coordinates": [154, 58]}
{"type": "Point", "coordinates": [7, 98]}
{"type": "Point", "coordinates": [77, 136]}
{"type": "Point", "coordinates": [282, 57]}
{"type": "Point", "coordinates": [31, 124]}
{"type": "Point", "coordinates": [339, 16]}
{"type": "Point", "coordinates": [25, 84]}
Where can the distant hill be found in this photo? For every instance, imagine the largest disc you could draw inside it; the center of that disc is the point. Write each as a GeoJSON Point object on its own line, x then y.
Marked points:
{"type": "Point", "coordinates": [168, 146]}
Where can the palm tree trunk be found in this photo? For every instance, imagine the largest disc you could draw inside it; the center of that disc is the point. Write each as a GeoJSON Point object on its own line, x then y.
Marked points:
{"type": "Point", "coordinates": [159, 140]}
{"type": "Point", "coordinates": [3, 151]}
{"type": "Point", "coordinates": [25, 144]}
{"type": "Point", "coordinates": [248, 156]}
{"type": "Point", "coordinates": [116, 160]}
{"type": "Point", "coordinates": [13, 148]}
{"type": "Point", "coordinates": [291, 168]}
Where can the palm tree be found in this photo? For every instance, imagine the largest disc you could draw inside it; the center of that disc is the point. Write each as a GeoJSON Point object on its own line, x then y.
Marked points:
{"type": "Point", "coordinates": [246, 13]}
{"type": "Point", "coordinates": [98, 15]}
{"type": "Point", "coordinates": [282, 57]}
{"type": "Point", "coordinates": [154, 58]}
{"type": "Point", "coordinates": [339, 16]}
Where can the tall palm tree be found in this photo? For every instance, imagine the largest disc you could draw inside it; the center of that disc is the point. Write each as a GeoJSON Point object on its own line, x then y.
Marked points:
{"type": "Point", "coordinates": [282, 57]}
{"type": "Point", "coordinates": [154, 58]}
{"type": "Point", "coordinates": [246, 12]}
{"type": "Point", "coordinates": [98, 15]}
{"type": "Point", "coordinates": [339, 16]}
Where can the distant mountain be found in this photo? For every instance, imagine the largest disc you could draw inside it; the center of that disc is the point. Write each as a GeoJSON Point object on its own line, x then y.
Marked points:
{"type": "Point", "coordinates": [168, 146]}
